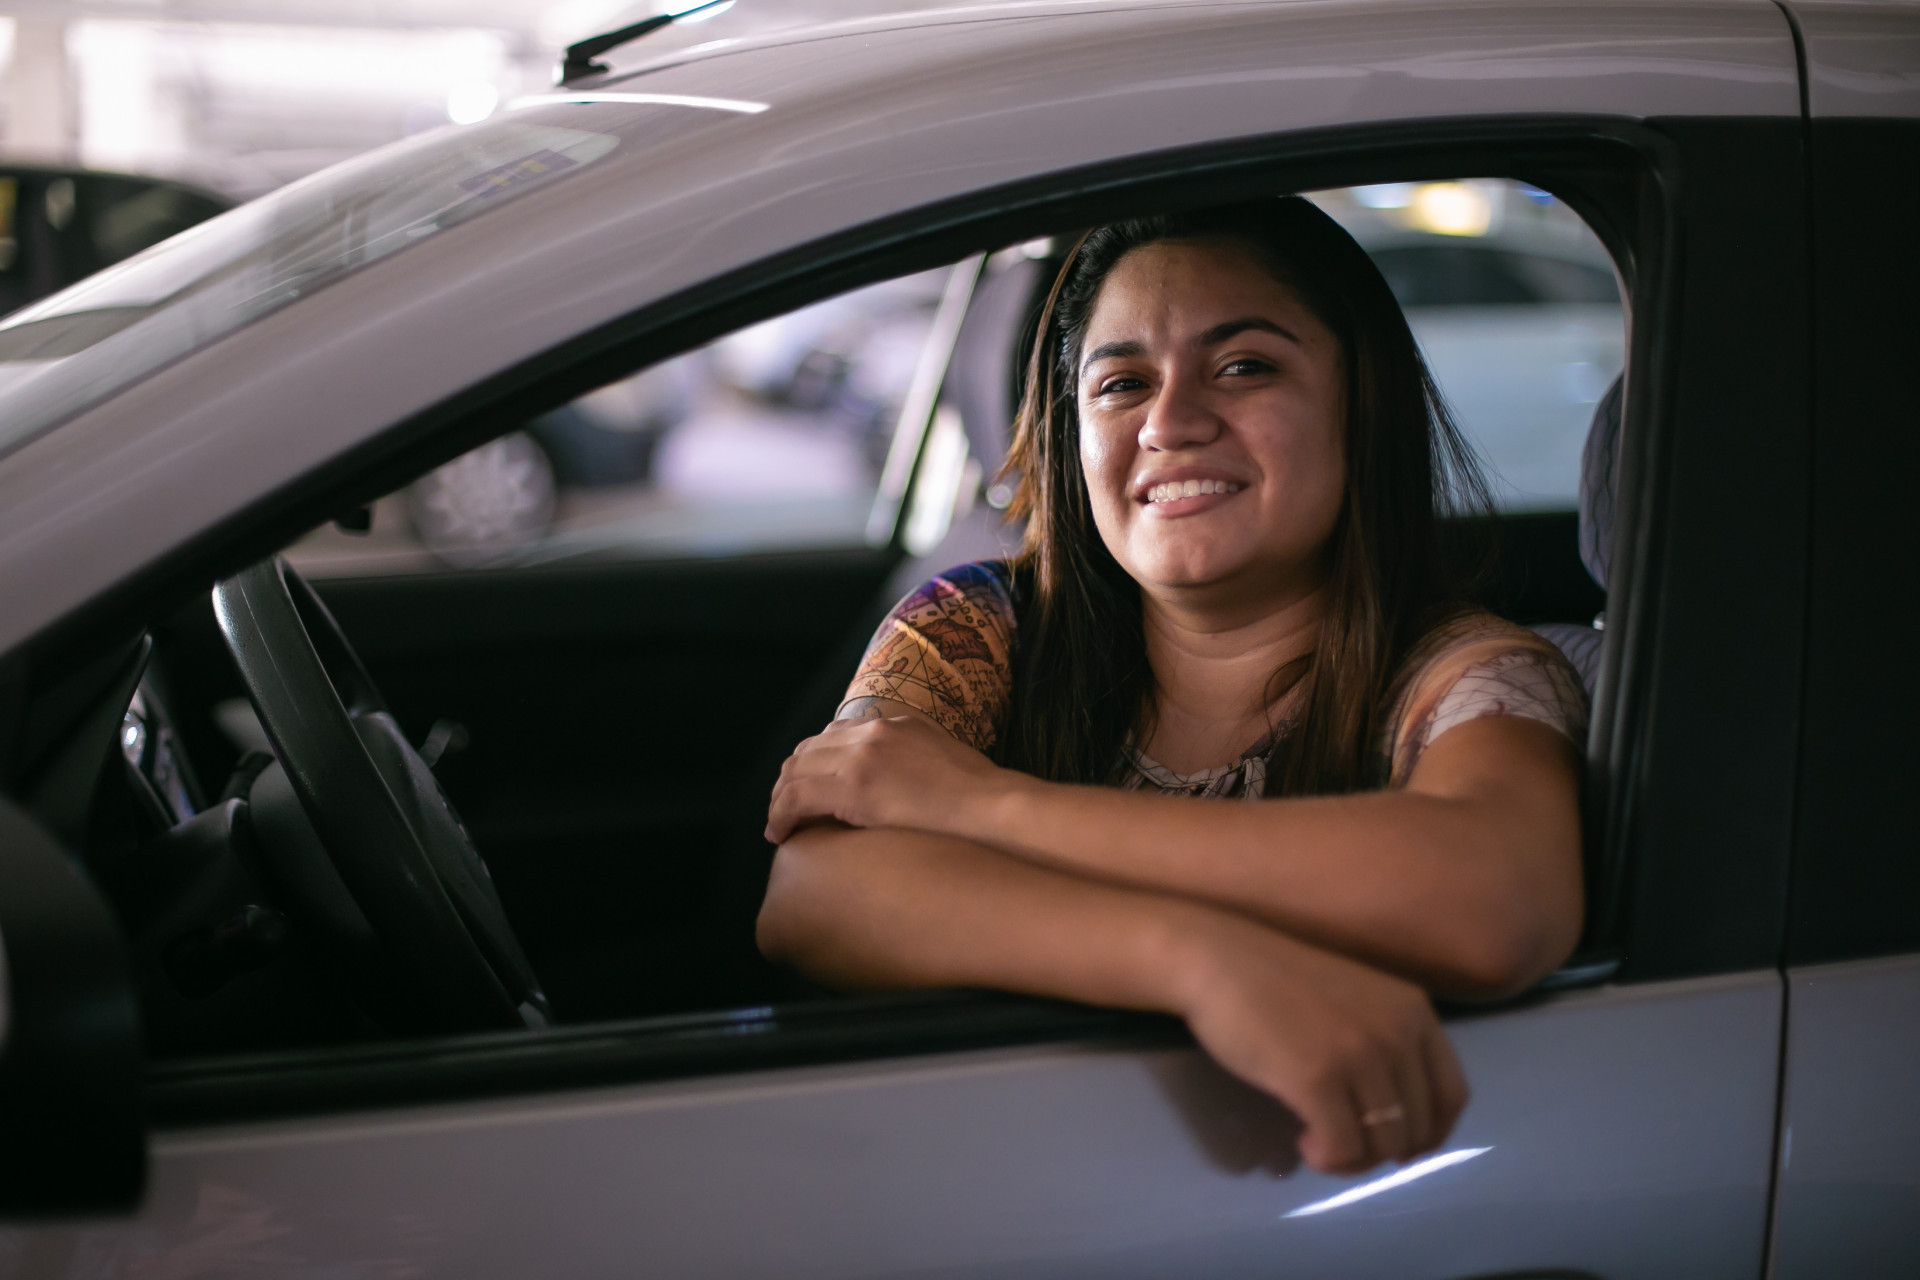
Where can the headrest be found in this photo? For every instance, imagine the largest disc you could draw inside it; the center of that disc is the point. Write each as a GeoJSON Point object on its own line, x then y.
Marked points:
{"type": "Point", "coordinates": [1598, 463]}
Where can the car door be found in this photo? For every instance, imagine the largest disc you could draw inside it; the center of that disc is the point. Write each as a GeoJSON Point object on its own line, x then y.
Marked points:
{"type": "Point", "coordinates": [1849, 1174]}
{"type": "Point", "coordinates": [1623, 1121]}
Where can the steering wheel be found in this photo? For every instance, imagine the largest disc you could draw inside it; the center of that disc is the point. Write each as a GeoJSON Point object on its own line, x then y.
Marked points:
{"type": "Point", "coordinates": [392, 883]}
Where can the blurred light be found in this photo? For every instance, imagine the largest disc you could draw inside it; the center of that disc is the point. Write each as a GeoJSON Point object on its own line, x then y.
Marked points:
{"type": "Point", "coordinates": [125, 120]}
{"type": "Point", "coordinates": [1535, 194]}
{"type": "Point", "coordinates": [471, 101]}
{"type": "Point", "coordinates": [1450, 209]}
{"type": "Point", "coordinates": [1401, 1178]}
{"type": "Point", "coordinates": [1385, 195]}
{"type": "Point", "coordinates": [703, 12]}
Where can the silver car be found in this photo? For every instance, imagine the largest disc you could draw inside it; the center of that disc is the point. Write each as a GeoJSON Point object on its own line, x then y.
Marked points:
{"type": "Point", "coordinates": [269, 1012]}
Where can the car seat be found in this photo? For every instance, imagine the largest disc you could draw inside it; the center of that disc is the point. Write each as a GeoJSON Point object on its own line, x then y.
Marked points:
{"type": "Point", "coordinates": [1599, 461]}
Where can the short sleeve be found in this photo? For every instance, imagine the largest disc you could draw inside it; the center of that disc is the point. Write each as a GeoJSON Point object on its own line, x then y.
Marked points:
{"type": "Point", "coordinates": [945, 652]}
{"type": "Point", "coordinates": [1484, 667]}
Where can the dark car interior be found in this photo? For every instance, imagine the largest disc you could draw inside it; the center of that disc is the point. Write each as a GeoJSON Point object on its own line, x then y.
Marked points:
{"type": "Point", "coordinates": [607, 732]}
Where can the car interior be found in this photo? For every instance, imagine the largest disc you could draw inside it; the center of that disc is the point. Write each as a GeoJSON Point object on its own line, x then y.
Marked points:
{"type": "Point", "coordinates": [603, 723]}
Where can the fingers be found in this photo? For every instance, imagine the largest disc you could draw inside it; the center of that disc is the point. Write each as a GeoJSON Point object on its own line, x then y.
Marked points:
{"type": "Point", "coordinates": [1450, 1091]}
{"type": "Point", "coordinates": [826, 777]}
{"type": "Point", "coordinates": [809, 789]}
{"type": "Point", "coordinates": [1392, 1095]}
{"type": "Point", "coordinates": [1380, 1113]}
{"type": "Point", "coordinates": [1332, 1140]}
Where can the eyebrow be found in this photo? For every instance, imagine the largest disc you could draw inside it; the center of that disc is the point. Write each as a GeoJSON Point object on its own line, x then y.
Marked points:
{"type": "Point", "coordinates": [1219, 333]}
{"type": "Point", "coordinates": [1112, 351]}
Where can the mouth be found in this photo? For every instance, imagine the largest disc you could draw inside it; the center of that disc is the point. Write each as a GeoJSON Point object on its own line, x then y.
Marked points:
{"type": "Point", "coordinates": [1179, 490]}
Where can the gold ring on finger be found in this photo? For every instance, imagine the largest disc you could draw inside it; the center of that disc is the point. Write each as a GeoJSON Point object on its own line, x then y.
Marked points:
{"type": "Point", "coordinates": [1383, 1115]}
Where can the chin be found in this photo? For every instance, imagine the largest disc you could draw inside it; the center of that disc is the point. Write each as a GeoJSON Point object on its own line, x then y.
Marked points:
{"type": "Point", "coordinates": [1185, 569]}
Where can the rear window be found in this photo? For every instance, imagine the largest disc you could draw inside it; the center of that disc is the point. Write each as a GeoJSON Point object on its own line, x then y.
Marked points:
{"type": "Point", "coordinates": [1516, 307]}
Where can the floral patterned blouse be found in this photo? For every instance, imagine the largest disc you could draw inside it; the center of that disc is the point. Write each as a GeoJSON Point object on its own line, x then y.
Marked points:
{"type": "Point", "coordinates": [946, 650]}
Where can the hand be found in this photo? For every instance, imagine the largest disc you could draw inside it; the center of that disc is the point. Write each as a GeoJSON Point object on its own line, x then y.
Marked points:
{"type": "Point", "coordinates": [1356, 1054]}
{"type": "Point", "coordinates": [886, 770]}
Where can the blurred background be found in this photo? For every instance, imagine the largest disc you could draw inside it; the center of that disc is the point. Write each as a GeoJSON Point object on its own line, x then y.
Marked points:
{"type": "Point", "coordinates": [241, 96]}
{"type": "Point", "coordinates": [123, 122]}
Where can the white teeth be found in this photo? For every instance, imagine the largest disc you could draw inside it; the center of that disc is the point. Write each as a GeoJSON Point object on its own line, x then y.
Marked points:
{"type": "Point", "coordinates": [1174, 490]}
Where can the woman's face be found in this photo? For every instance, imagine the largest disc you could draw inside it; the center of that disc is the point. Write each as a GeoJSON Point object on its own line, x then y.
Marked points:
{"type": "Point", "coordinates": [1212, 407]}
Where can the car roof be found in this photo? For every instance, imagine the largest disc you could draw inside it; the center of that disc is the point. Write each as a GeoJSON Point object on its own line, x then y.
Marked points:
{"type": "Point", "coordinates": [863, 121]}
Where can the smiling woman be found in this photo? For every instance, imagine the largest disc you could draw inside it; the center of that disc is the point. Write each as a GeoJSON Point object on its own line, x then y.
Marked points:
{"type": "Point", "coordinates": [1233, 463]}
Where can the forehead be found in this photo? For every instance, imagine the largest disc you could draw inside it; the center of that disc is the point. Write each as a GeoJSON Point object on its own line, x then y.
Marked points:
{"type": "Point", "coordinates": [1191, 283]}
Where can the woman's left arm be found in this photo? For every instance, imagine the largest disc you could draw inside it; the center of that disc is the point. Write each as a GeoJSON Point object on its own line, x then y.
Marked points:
{"type": "Point", "coordinates": [1466, 880]}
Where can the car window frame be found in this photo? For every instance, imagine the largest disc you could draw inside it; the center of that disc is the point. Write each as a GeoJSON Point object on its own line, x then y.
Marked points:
{"type": "Point", "coordinates": [1622, 177]}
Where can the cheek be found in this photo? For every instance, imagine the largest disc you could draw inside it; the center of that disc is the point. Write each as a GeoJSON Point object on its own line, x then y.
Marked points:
{"type": "Point", "coordinates": [1106, 459]}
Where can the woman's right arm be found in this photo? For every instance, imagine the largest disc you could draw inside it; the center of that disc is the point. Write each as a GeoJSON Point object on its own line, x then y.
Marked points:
{"type": "Point", "coordinates": [1331, 1038]}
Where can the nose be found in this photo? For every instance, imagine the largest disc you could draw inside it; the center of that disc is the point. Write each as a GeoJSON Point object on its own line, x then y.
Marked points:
{"type": "Point", "coordinates": [1179, 417]}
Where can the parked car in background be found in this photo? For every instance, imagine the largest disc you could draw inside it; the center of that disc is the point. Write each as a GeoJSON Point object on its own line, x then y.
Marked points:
{"type": "Point", "coordinates": [1516, 306]}
{"type": "Point", "coordinates": [59, 225]}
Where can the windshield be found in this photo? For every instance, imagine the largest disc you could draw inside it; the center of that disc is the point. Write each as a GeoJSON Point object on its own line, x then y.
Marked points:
{"type": "Point", "coordinates": [78, 347]}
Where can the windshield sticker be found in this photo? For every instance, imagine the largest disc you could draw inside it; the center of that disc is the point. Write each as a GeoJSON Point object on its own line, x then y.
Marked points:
{"type": "Point", "coordinates": [517, 174]}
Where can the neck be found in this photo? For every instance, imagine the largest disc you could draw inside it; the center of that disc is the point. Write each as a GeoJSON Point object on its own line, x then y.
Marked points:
{"type": "Point", "coordinates": [1213, 664]}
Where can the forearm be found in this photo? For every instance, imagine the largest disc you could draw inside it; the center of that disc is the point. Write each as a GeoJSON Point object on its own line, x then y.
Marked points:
{"type": "Point", "coordinates": [1466, 880]}
{"type": "Point", "coordinates": [1408, 882]}
{"type": "Point", "coordinates": [1467, 886]}
{"type": "Point", "coordinates": [889, 908]}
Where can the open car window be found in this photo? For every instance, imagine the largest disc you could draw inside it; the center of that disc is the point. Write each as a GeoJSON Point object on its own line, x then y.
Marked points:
{"type": "Point", "coordinates": [535, 695]}
{"type": "Point", "coordinates": [776, 437]}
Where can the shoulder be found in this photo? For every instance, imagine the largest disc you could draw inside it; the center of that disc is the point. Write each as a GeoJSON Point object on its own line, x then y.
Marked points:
{"type": "Point", "coordinates": [966, 612]}
{"type": "Point", "coordinates": [1471, 635]}
{"type": "Point", "coordinates": [984, 587]}
{"type": "Point", "coordinates": [1476, 664]}
{"type": "Point", "coordinates": [945, 650]}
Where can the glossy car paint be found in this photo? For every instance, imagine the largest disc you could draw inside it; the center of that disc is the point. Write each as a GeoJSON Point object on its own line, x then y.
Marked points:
{"type": "Point", "coordinates": [1849, 1160]}
{"type": "Point", "coordinates": [864, 121]}
{"type": "Point", "coordinates": [1863, 56]}
{"type": "Point", "coordinates": [1095, 1162]}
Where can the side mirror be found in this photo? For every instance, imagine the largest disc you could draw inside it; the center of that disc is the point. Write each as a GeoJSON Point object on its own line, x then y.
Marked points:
{"type": "Point", "coordinates": [71, 1140]}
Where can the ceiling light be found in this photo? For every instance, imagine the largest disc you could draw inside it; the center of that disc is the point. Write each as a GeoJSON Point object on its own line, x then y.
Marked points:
{"type": "Point", "coordinates": [1450, 209]}
{"type": "Point", "coordinates": [471, 101]}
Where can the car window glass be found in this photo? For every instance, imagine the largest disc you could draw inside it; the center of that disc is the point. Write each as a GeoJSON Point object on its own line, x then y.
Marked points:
{"type": "Point", "coordinates": [772, 438]}
{"type": "Point", "coordinates": [73, 349]}
{"type": "Point", "coordinates": [1514, 303]}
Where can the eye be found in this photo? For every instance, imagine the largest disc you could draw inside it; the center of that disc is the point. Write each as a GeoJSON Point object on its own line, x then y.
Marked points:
{"type": "Point", "coordinates": [1247, 366]}
{"type": "Point", "coordinates": [1119, 384]}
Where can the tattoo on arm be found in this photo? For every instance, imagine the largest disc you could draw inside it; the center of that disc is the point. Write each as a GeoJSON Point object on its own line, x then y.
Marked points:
{"type": "Point", "coordinates": [861, 709]}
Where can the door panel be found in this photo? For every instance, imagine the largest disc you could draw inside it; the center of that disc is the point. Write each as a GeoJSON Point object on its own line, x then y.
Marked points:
{"type": "Point", "coordinates": [1850, 1147]}
{"type": "Point", "coordinates": [1623, 1131]}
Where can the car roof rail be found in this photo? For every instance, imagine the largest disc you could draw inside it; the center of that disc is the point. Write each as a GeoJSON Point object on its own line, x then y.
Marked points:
{"type": "Point", "coordinates": [579, 62]}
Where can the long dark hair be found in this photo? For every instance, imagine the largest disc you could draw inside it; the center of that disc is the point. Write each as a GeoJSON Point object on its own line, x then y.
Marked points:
{"type": "Point", "coordinates": [1082, 683]}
